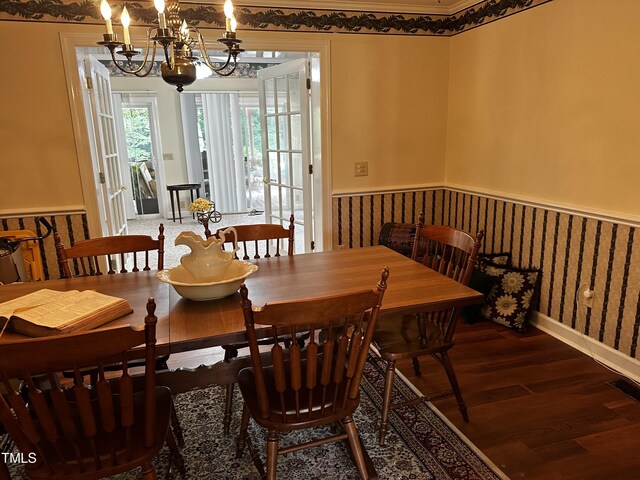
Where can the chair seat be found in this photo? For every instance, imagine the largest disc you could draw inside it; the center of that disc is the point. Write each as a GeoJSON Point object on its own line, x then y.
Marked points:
{"type": "Point", "coordinates": [396, 337]}
{"type": "Point", "coordinates": [311, 413]}
{"type": "Point", "coordinates": [128, 454]}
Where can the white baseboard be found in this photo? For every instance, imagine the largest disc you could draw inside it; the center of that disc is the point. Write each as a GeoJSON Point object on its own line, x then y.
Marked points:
{"type": "Point", "coordinates": [624, 364]}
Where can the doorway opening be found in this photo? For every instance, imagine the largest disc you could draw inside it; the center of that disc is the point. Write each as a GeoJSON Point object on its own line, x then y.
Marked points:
{"type": "Point", "coordinates": [247, 141]}
{"type": "Point", "coordinates": [139, 145]}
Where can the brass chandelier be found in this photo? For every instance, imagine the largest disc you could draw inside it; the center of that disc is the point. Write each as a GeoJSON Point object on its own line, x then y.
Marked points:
{"type": "Point", "coordinates": [177, 40]}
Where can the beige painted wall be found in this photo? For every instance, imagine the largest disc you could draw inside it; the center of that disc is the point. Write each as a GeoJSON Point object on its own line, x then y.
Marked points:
{"type": "Point", "coordinates": [38, 158]}
{"type": "Point", "coordinates": [388, 108]}
{"type": "Point", "coordinates": [545, 104]}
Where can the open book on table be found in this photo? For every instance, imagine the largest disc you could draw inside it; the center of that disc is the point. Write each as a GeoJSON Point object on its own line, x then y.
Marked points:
{"type": "Point", "coordinates": [50, 312]}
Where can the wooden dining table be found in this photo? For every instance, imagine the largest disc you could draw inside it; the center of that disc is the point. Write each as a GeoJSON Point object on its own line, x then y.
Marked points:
{"type": "Point", "coordinates": [185, 325]}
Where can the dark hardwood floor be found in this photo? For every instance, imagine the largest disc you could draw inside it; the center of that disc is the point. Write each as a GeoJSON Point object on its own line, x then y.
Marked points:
{"type": "Point", "coordinates": [538, 408]}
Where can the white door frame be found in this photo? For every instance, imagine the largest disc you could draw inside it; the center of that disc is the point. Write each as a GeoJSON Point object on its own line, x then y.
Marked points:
{"type": "Point", "coordinates": [273, 41]}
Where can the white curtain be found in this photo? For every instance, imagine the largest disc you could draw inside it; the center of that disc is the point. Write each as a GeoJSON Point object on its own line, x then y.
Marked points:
{"type": "Point", "coordinates": [190, 132]}
{"type": "Point", "coordinates": [224, 151]}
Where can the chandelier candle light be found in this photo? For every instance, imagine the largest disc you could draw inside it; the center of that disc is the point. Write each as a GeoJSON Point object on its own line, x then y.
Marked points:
{"type": "Point", "coordinates": [174, 35]}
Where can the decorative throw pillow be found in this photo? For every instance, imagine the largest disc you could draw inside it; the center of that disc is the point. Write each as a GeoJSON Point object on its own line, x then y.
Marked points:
{"type": "Point", "coordinates": [398, 237]}
{"type": "Point", "coordinates": [487, 259]}
{"type": "Point", "coordinates": [512, 296]}
{"type": "Point", "coordinates": [482, 281]}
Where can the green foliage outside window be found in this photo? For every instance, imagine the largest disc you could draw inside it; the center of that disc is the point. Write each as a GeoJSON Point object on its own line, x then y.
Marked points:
{"type": "Point", "coordinates": [138, 133]}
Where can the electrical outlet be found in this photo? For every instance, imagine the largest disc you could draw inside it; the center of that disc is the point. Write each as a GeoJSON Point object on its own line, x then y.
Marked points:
{"type": "Point", "coordinates": [587, 297]}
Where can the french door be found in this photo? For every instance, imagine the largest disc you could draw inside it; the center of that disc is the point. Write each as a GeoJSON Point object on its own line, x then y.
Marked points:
{"type": "Point", "coordinates": [109, 180]}
{"type": "Point", "coordinates": [285, 125]}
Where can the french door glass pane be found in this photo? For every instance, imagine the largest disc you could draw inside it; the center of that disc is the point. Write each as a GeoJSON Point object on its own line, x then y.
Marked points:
{"type": "Point", "coordinates": [271, 133]}
{"type": "Point", "coordinates": [284, 169]}
{"type": "Point", "coordinates": [294, 92]}
{"type": "Point", "coordinates": [297, 169]}
{"type": "Point", "coordinates": [269, 95]}
{"type": "Point", "coordinates": [273, 166]}
{"type": "Point", "coordinates": [296, 132]}
{"type": "Point", "coordinates": [281, 87]}
{"type": "Point", "coordinates": [283, 133]}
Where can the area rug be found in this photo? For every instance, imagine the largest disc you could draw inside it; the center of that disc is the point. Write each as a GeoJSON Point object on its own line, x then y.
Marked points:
{"type": "Point", "coordinates": [419, 444]}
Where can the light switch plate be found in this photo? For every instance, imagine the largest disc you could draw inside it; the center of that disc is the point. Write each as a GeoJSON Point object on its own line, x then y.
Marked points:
{"type": "Point", "coordinates": [361, 169]}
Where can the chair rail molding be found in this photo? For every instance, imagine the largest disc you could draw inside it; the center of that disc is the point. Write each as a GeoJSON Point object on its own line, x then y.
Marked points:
{"type": "Point", "coordinates": [584, 211]}
{"type": "Point", "coordinates": [42, 211]}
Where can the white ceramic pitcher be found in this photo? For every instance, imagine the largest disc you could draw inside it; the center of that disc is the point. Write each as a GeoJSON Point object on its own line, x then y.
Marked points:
{"type": "Point", "coordinates": [207, 261]}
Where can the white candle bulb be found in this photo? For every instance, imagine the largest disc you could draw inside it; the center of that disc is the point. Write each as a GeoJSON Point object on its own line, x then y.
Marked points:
{"type": "Point", "coordinates": [105, 9]}
{"type": "Point", "coordinates": [228, 13]}
{"type": "Point", "coordinates": [159, 4]}
{"type": "Point", "coordinates": [184, 30]}
{"type": "Point", "coordinates": [234, 24]}
{"type": "Point", "coordinates": [126, 20]}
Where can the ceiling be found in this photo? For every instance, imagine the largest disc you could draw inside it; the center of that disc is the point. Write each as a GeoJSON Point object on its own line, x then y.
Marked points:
{"type": "Point", "coordinates": [434, 7]}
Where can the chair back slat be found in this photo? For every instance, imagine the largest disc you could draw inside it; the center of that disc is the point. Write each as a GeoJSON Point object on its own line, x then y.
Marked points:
{"type": "Point", "coordinates": [451, 252]}
{"type": "Point", "coordinates": [323, 379]}
{"type": "Point", "coordinates": [72, 427]}
{"type": "Point", "coordinates": [105, 401]}
{"type": "Point", "coordinates": [85, 255]}
{"type": "Point", "coordinates": [256, 240]}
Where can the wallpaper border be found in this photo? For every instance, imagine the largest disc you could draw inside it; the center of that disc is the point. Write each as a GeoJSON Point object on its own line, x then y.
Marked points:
{"type": "Point", "coordinates": [276, 19]}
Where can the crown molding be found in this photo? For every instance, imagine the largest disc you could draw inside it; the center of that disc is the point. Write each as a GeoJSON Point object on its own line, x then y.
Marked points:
{"type": "Point", "coordinates": [415, 7]}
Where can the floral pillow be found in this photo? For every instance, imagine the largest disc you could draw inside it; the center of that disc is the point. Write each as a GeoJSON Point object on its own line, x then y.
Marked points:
{"type": "Point", "coordinates": [512, 296]}
{"type": "Point", "coordinates": [486, 260]}
{"type": "Point", "coordinates": [482, 281]}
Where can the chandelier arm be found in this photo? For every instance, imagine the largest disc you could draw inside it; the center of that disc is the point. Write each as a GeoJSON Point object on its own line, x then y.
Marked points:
{"type": "Point", "coordinates": [136, 71]}
{"type": "Point", "coordinates": [151, 63]}
{"type": "Point", "coordinates": [122, 69]}
{"type": "Point", "coordinates": [226, 74]}
{"type": "Point", "coordinates": [205, 56]}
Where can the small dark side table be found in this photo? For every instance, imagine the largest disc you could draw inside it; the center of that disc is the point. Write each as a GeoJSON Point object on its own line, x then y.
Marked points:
{"type": "Point", "coordinates": [177, 189]}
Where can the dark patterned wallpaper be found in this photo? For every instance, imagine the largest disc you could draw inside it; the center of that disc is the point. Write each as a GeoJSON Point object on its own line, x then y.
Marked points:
{"type": "Point", "coordinates": [260, 18]}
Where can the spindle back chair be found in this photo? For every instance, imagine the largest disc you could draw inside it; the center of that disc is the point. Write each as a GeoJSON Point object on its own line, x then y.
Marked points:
{"type": "Point", "coordinates": [263, 239]}
{"type": "Point", "coordinates": [85, 255]}
{"type": "Point", "coordinates": [86, 431]}
{"type": "Point", "coordinates": [300, 388]}
{"type": "Point", "coordinates": [255, 241]}
{"type": "Point", "coordinates": [450, 252]}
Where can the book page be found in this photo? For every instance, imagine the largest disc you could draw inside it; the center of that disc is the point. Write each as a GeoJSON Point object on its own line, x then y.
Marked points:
{"type": "Point", "coordinates": [32, 300]}
{"type": "Point", "coordinates": [66, 310]}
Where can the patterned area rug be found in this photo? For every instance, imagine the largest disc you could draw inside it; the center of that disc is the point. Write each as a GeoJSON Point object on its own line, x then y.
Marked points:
{"type": "Point", "coordinates": [419, 444]}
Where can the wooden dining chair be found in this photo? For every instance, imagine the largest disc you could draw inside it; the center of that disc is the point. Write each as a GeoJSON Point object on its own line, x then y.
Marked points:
{"type": "Point", "coordinates": [262, 240]}
{"type": "Point", "coordinates": [310, 387]}
{"type": "Point", "coordinates": [86, 431]}
{"type": "Point", "coordinates": [450, 252]}
{"type": "Point", "coordinates": [86, 254]}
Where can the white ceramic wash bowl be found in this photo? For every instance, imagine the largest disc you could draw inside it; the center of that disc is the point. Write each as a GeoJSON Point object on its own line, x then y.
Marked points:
{"type": "Point", "coordinates": [183, 282]}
